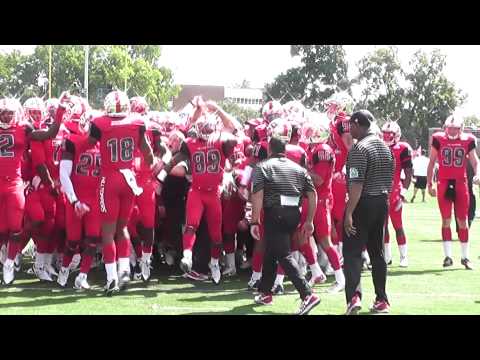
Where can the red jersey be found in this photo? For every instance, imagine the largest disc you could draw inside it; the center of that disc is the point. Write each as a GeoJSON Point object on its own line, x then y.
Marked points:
{"type": "Point", "coordinates": [322, 162]}
{"type": "Point", "coordinates": [340, 126]}
{"type": "Point", "coordinates": [119, 139]}
{"type": "Point", "coordinates": [452, 155]}
{"type": "Point", "coordinates": [402, 153]}
{"type": "Point", "coordinates": [49, 152]}
{"type": "Point", "coordinates": [259, 151]}
{"type": "Point", "coordinates": [207, 163]}
{"type": "Point", "coordinates": [86, 164]}
{"type": "Point", "coordinates": [297, 154]}
{"type": "Point", "coordinates": [13, 144]}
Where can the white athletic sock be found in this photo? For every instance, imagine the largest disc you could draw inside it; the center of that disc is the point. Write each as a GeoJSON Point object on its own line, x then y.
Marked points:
{"type": "Point", "coordinates": [256, 276]}
{"type": "Point", "coordinates": [213, 261]}
{"type": "Point", "coordinates": [366, 256]}
{"type": "Point", "coordinates": [47, 259]}
{"type": "Point", "coordinates": [464, 248]}
{"type": "Point", "coordinates": [123, 265]}
{"type": "Point", "coordinates": [146, 256]}
{"type": "Point", "coordinates": [8, 262]}
{"type": "Point", "coordinates": [111, 271]}
{"type": "Point", "coordinates": [339, 277]}
{"type": "Point", "coordinates": [403, 250]}
{"type": "Point", "coordinates": [447, 248]}
{"type": "Point", "coordinates": [279, 280]}
{"type": "Point", "coordinates": [187, 254]}
{"type": "Point", "coordinates": [388, 252]}
{"type": "Point", "coordinates": [322, 258]}
{"type": "Point", "coordinates": [39, 259]}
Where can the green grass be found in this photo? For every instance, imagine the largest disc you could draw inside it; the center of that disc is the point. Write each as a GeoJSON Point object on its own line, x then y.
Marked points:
{"type": "Point", "coordinates": [422, 288]}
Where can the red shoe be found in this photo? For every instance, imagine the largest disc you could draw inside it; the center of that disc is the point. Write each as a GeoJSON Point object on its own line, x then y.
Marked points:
{"type": "Point", "coordinates": [354, 305]}
{"type": "Point", "coordinates": [380, 307]}
{"type": "Point", "coordinates": [193, 275]}
{"type": "Point", "coordinates": [264, 299]}
{"type": "Point", "coordinates": [308, 304]}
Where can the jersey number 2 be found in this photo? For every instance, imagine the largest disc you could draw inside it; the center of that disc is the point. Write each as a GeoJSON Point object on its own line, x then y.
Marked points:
{"type": "Point", "coordinates": [6, 145]}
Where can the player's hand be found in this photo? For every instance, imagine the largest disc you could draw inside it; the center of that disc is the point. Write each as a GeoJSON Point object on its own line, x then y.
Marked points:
{"type": "Point", "coordinates": [432, 191]}
{"type": "Point", "coordinates": [399, 204]}
{"type": "Point", "coordinates": [255, 231]}
{"type": "Point", "coordinates": [212, 106]}
{"type": "Point", "coordinates": [81, 209]}
{"type": "Point", "coordinates": [65, 99]}
{"type": "Point", "coordinates": [350, 230]}
{"type": "Point", "coordinates": [157, 166]}
{"type": "Point", "coordinates": [476, 180]}
{"type": "Point", "coordinates": [307, 230]}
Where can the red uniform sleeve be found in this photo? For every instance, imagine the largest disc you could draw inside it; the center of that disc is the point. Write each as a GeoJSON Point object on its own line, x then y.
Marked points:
{"type": "Point", "coordinates": [38, 153]}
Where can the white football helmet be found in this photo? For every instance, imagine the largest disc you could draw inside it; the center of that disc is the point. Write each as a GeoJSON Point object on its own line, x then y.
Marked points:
{"type": "Point", "coordinates": [272, 110]}
{"type": "Point", "coordinates": [339, 102]}
{"type": "Point", "coordinates": [11, 112]}
{"type": "Point", "coordinates": [117, 104]}
{"type": "Point", "coordinates": [453, 127]}
{"type": "Point", "coordinates": [280, 129]}
{"type": "Point", "coordinates": [391, 133]}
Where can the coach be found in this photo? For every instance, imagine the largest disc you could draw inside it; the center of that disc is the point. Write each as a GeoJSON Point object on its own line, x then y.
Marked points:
{"type": "Point", "coordinates": [278, 187]}
{"type": "Point", "coordinates": [369, 176]}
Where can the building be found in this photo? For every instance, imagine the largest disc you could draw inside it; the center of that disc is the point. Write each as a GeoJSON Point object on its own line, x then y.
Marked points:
{"type": "Point", "coordinates": [243, 97]}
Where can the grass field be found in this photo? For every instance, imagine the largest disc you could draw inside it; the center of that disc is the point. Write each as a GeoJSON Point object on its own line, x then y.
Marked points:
{"type": "Point", "coordinates": [422, 288]}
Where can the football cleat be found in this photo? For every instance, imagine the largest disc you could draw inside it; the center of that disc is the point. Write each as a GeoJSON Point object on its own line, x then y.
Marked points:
{"type": "Point", "coordinates": [63, 277]}
{"type": "Point", "coordinates": [403, 262]}
{"type": "Point", "coordinates": [111, 287]}
{"type": "Point", "coordinates": [75, 264]}
{"type": "Point", "coordinates": [336, 288]}
{"type": "Point", "coordinates": [81, 282]}
{"type": "Point", "coordinates": [467, 263]}
{"type": "Point", "coordinates": [51, 270]}
{"type": "Point", "coordinates": [8, 274]}
{"type": "Point", "coordinates": [278, 289]}
{"type": "Point", "coordinates": [137, 271]}
{"type": "Point", "coordinates": [380, 307]}
{"type": "Point", "coordinates": [308, 304]}
{"type": "Point", "coordinates": [18, 262]}
{"type": "Point", "coordinates": [42, 273]}
{"type": "Point", "coordinates": [229, 271]}
{"type": "Point", "coordinates": [263, 299]}
{"type": "Point", "coordinates": [123, 280]}
{"type": "Point", "coordinates": [354, 306]}
{"type": "Point", "coordinates": [253, 284]}
{"type": "Point", "coordinates": [246, 265]}
{"type": "Point", "coordinates": [186, 264]}
{"type": "Point", "coordinates": [329, 270]}
{"type": "Point", "coordinates": [193, 275]}
{"type": "Point", "coordinates": [216, 275]}
{"type": "Point", "coordinates": [447, 262]}
{"type": "Point", "coordinates": [145, 266]}
{"type": "Point", "coordinates": [321, 279]}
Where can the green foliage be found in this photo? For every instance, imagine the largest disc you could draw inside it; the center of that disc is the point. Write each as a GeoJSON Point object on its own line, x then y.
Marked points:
{"type": "Point", "coordinates": [323, 71]}
{"type": "Point", "coordinates": [130, 68]}
{"type": "Point", "coordinates": [240, 113]}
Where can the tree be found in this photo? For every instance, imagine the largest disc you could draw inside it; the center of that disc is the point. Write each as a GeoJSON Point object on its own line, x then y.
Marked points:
{"type": "Point", "coordinates": [472, 121]}
{"type": "Point", "coordinates": [131, 68]}
{"type": "Point", "coordinates": [323, 71]}
{"type": "Point", "coordinates": [430, 97]}
{"type": "Point", "coordinates": [380, 78]}
{"type": "Point", "coordinates": [240, 113]}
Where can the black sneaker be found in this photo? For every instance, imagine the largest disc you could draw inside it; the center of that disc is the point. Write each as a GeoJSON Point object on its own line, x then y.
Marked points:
{"type": "Point", "coordinates": [253, 285]}
{"type": "Point", "coordinates": [278, 289]}
{"type": "Point", "coordinates": [137, 271]}
{"type": "Point", "coordinates": [389, 263]}
{"type": "Point", "coordinates": [467, 263]}
{"type": "Point", "coordinates": [448, 262]}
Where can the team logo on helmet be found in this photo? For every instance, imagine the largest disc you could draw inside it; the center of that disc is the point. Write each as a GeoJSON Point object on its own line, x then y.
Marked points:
{"type": "Point", "coordinates": [117, 104]}
{"type": "Point", "coordinates": [391, 132]}
{"type": "Point", "coordinates": [453, 127]}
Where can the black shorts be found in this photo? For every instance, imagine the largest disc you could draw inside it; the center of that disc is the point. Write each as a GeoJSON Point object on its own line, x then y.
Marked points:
{"type": "Point", "coordinates": [421, 182]}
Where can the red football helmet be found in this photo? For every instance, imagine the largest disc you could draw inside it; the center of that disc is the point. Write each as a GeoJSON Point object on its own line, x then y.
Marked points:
{"type": "Point", "coordinates": [10, 112]}
{"type": "Point", "coordinates": [391, 133]}
{"type": "Point", "coordinates": [453, 127]}
{"type": "Point", "coordinates": [272, 110]}
{"type": "Point", "coordinates": [139, 105]}
{"type": "Point", "coordinates": [206, 125]}
{"type": "Point", "coordinates": [34, 110]}
{"type": "Point", "coordinates": [116, 104]}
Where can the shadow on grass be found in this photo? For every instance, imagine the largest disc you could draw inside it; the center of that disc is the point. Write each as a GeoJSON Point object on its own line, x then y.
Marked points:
{"type": "Point", "coordinates": [421, 272]}
{"type": "Point", "coordinates": [248, 309]}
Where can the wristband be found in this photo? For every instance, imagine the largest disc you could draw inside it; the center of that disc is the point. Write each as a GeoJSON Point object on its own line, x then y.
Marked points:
{"type": "Point", "coordinates": [162, 175]}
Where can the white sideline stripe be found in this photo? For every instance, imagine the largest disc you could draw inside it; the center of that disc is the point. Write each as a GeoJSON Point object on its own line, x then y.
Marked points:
{"type": "Point", "coordinates": [129, 290]}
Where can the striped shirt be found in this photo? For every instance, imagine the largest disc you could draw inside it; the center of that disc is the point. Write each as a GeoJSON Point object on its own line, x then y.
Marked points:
{"type": "Point", "coordinates": [283, 182]}
{"type": "Point", "coordinates": [371, 162]}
